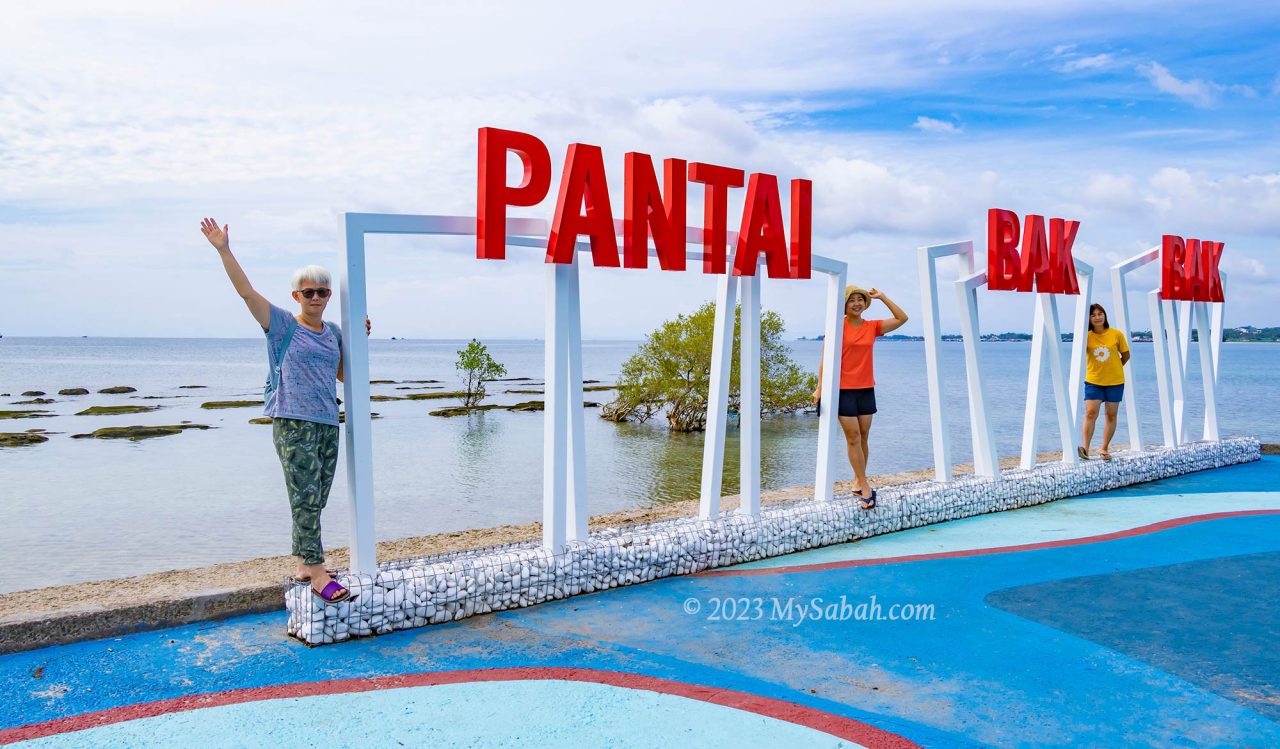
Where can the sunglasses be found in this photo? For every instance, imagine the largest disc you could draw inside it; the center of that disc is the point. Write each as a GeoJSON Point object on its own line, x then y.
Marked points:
{"type": "Point", "coordinates": [308, 293]}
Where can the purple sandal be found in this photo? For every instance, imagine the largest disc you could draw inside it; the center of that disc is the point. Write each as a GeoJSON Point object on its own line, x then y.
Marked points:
{"type": "Point", "coordinates": [332, 593]}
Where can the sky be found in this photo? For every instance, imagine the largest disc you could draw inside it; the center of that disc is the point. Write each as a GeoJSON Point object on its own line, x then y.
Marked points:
{"type": "Point", "coordinates": [122, 124]}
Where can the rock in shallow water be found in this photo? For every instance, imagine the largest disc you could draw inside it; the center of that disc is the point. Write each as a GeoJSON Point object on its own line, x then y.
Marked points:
{"type": "Point", "coordinates": [116, 410]}
{"type": "Point", "coordinates": [21, 439]}
{"type": "Point", "coordinates": [136, 433]}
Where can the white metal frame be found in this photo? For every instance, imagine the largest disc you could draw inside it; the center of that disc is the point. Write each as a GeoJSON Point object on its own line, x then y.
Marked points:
{"type": "Point", "coordinates": [1119, 290]}
{"type": "Point", "coordinates": [1046, 339]}
{"type": "Point", "coordinates": [986, 459]}
{"type": "Point", "coordinates": [928, 258]}
{"type": "Point", "coordinates": [1171, 323]}
{"type": "Point", "coordinates": [564, 506]}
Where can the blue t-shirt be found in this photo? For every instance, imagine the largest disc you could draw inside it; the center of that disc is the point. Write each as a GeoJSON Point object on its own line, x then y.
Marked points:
{"type": "Point", "coordinates": [308, 387]}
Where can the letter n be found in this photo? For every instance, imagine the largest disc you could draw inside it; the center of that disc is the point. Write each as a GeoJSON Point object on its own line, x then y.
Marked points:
{"type": "Point", "coordinates": [647, 212]}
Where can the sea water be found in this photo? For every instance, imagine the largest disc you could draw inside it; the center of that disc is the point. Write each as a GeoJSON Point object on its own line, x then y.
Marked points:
{"type": "Point", "coordinates": [82, 509]}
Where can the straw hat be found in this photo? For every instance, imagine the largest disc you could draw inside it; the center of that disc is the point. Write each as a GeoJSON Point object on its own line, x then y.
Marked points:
{"type": "Point", "coordinates": [852, 289]}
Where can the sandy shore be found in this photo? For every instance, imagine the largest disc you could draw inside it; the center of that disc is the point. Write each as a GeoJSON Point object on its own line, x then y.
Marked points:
{"type": "Point", "coordinates": [67, 613]}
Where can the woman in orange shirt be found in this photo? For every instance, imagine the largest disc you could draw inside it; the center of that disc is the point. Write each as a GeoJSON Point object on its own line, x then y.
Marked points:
{"type": "Point", "coordinates": [857, 400]}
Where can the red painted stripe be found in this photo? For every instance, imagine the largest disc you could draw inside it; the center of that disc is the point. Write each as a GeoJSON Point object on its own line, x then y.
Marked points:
{"type": "Point", "coordinates": [836, 725]}
{"type": "Point", "coordinates": [1141, 530]}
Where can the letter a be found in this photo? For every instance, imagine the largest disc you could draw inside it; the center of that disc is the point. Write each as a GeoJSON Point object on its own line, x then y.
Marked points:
{"type": "Point", "coordinates": [1197, 275]}
{"type": "Point", "coordinates": [762, 230]}
{"type": "Point", "coordinates": [1035, 256]}
{"type": "Point", "coordinates": [583, 185]}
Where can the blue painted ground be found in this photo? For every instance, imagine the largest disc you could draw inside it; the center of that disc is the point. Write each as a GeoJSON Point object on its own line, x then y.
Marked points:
{"type": "Point", "coordinates": [1162, 638]}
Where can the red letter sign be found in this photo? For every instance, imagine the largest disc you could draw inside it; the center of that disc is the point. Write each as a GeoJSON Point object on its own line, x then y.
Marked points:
{"type": "Point", "coordinates": [583, 181]}
{"type": "Point", "coordinates": [801, 228]}
{"type": "Point", "coordinates": [1173, 256]}
{"type": "Point", "coordinates": [1035, 256]}
{"type": "Point", "coordinates": [718, 180]}
{"type": "Point", "coordinates": [1003, 272]}
{"type": "Point", "coordinates": [1062, 235]}
{"type": "Point", "coordinates": [762, 230]}
{"type": "Point", "coordinates": [1189, 269]}
{"type": "Point", "coordinates": [494, 195]}
{"type": "Point", "coordinates": [1212, 252]}
{"type": "Point", "coordinates": [646, 212]}
{"type": "Point", "coordinates": [1048, 270]}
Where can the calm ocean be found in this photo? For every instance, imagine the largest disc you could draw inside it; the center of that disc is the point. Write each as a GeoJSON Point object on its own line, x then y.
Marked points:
{"type": "Point", "coordinates": [78, 510]}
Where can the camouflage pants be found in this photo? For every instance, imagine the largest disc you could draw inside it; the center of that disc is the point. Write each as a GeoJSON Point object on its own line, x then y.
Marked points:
{"type": "Point", "coordinates": [309, 455]}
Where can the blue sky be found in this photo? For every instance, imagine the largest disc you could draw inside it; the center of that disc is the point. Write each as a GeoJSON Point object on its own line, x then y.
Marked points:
{"type": "Point", "coordinates": [121, 126]}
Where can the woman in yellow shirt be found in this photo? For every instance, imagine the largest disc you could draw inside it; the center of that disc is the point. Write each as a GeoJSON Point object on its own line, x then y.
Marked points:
{"type": "Point", "coordinates": [1103, 378]}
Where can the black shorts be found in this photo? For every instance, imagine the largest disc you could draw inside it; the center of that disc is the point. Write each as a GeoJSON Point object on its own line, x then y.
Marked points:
{"type": "Point", "coordinates": [856, 402]}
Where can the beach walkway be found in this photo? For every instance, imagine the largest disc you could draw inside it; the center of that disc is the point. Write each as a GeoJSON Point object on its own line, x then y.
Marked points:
{"type": "Point", "coordinates": [1145, 616]}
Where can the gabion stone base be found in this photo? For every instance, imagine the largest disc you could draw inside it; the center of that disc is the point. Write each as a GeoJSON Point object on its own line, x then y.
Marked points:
{"type": "Point", "coordinates": [448, 587]}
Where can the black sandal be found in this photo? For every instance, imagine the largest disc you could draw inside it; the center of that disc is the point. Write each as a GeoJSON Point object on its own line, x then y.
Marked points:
{"type": "Point", "coordinates": [868, 503]}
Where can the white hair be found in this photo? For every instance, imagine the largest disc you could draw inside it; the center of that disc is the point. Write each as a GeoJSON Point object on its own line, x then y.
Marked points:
{"type": "Point", "coordinates": [313, 273]}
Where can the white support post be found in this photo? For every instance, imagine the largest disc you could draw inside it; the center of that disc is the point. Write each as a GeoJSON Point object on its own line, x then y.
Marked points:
{"type": "Point", "coordinates": [1217, 311]}
{"type": "Point", "coordinates": [576, 511]}
{"type": "Point", "coordinates": [1079, 343]}
{"type": "Point", "coordinates": [718, 398]}
{"type": "Point", "coordinates": [1205, 330]}
{"type": "Point", "coordinates": [1178, 345]}
{"type": "Point", "coordinates": [1160, 348]}
{"type": "Point", "coordinates": [986, 460]}
{"type": "Point", "coordinates": [1119, 291]}
{"type": "Point", "coordinates": [555, 422]}
{"type": "Point", "coordinates": [1030, 414]}
{"type": "Point", "coordinates": [355, 400]}
{"type": "Point", "coordinates": [1046, 341]}
{"type": "Point", "coordinates": [828, 425]}
{"type": "Point", "coordinates": [1061, 390]}
{"type": "Point", "coordinates": [1218, 320]}
{"type": "Point", "coordinates": [928, 268]}
{"type": "Point", "coordinates": [749, 408]}
{"type": "Point", "coordinates": [1185, 324]}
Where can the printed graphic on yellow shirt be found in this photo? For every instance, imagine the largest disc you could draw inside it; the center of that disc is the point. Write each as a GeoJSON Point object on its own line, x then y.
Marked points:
{"type": "Point", "coordinates": [1104, 365]}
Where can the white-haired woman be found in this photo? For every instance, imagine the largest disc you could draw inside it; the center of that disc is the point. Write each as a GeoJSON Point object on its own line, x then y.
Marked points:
{"type": "Point", "coordinates": [305, 355]}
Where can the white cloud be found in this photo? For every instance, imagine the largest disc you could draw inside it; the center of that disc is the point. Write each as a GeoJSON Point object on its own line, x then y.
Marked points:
{"type": "Point", "coordinates": [1093, 62]}
{"type": "Point", "coordinates": [1195, 91]}
{"type": "Point", "coordinates": [859, 195]}
{"type": "Point", "coordinates": [277, 118]}
{"type": "Point", "coordinates": [939, 127]}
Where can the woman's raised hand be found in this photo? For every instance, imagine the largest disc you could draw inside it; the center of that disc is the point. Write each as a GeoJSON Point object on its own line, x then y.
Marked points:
{"type": "Point", "coordinates": [874, 293]}
{"type": "Point", "coordinates": [220, 238]}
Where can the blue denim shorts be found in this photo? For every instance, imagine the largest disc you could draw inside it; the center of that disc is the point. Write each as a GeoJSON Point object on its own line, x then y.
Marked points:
{"type": "Point", "coordinates": [1105, 393]}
